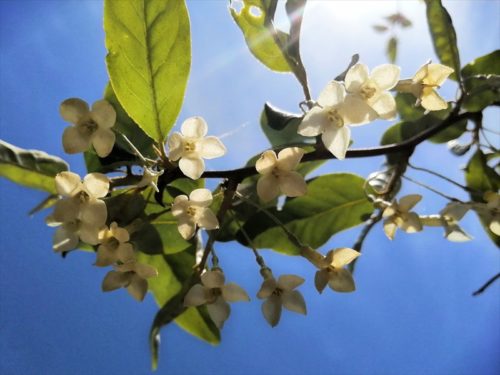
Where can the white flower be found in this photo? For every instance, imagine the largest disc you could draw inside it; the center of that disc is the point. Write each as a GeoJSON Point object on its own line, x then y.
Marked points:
{"type": "Point", "coordinates": [423, 85]}
{"type": "Point", "coordinates": [215, 295]}
{"type": "Point", "coordinates": [450, 216]}
{"type": "Point", "coordinates": [398, 215]}
{"type": "Point", "coordinates": [281, 293]}
{"type": "Point", "coordinates": [130, 275]}
{"type": "Point", "coordinates": [80, 213]}
{"type": "Point", "coordinates": [150, 178]}
{"type": "Point", "coordinates": [372, 87]}
{"type": "Point", "coordinates": [278, 175]}
{"type": "Point", "coordinates": [190, 147]}
{"type": "Point", "coordinates": [333, 115]}
{"type": "Point", "coordinates": [193, 211]}
{"type": "Point", "coordinates": [114, 246]}
{"type": "Point", "coordinates": [90, 126]}
{"type": "Point", "coordinates": [332, 272]}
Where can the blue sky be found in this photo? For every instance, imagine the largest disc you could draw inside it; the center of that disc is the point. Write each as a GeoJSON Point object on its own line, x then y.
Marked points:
{"type": "Point", "coordinates": [412, 313]}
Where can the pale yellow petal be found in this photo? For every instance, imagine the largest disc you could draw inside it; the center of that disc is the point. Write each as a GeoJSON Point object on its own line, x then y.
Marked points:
{"type": "Point", "coordinates": [390, 228]}
{"type": "Point", "coordinates": [266, 163]}
{"type": "Point", "coordinates": [431, 100]}
{"type": "Point", "coordinates": [386, 76]}
{"type": "Point", "coordinates": [267, 288]}
{"type": "Point", "coordinates": [175, 146]}
{"type": "Point", "coordinates": [192, 167]}
{"type": "Point", "coordinates": [268, 187]}
{"type": "Point", "coordinates": [196, 296]}
{"type": "Point", "coordinates": [292, 184]}
{"type": "Point", "coordinates": [407, 202]}
{"type": "Point", "coordinates": [145, 270]}
{"type": "Point", "coordinates": [68, 184]}
{"type": "Point", "coordinates": [93, 212]}
{"type": "Point", "coordinates": [289, 282]}
{"type": "Point", "coordinates": [207, 219]}
{"type": "Point", "coordinates": [180, 205]}
{"type": "Point", "coordinates": [321, 280]}
{"type": "Point", "coordinates": [121, 234]}
{"type": "Point", "coordinates": [456, 234]}
{"type": "Point", "coordinates": [411, 223]}
{"type": "Point", "coordinates": [421, 73]}
{"type": "Point", "coordinates": [289, 158]}
{"type": "Point", "coordinates": [332, 94]}
{"type": "Point", "coordinates": [211, 147]}
{"type": "Point", "coordinates": [314, 122]}
{"type": "Point", "coordinates": [455, 210]}
{"type": "Point", "coordinates": [355, 77]}
{"type": "Point", "coordinates": [213, 279]}
{"type": "Point", "coordinates": [138, 288]}
{"type": "Point", "coordinates": [114, 280]}
{"type": "Point", "coordinates": [219, 311]}
{"type": "Point", "coordinates": [74, 141]}
{"type": "Point", "coordinates": [186, 226]}
{"type": "Point", "coordinates": [96, 185]}
{"type": "Point", "coordinates": [232, 292]}
{"type": "Point", "coordinates": [125, 252]}
{"type": "Point", "coordinates": [271, 309]}
{"type": "Point", "coordinates": [336, 140]}
{"type": "Point", "coordinates": [294, 301]}
{"type": "Point", "coordinates": [89, 233]}
{"type": "Point", "coordinates": [66, 210]}
{"type": "Point", "coordinates": [385, 106]}
{"type": "Point", "coordinates": [103, 114]}
{"type": "Point", "coordinates": [341, 281]}
{"type": "Point", "coordinates": [74, 110]}
{"type": "Point", "coordinates": [437, 74]}
{"type": "Point", "coordinates": [104, 257]}
{"type": "Point", "coordinates": [356, 111]}
{"type": "Point", "coordinates": [201, 197]}
{"type": "Point", "coordinates": [495, 226]}
{"type": "Point", "coordinates": [194, 127]}
{"type": "Point", "coordinates": [103, 141]}
{"type": "Point", "coordinates": [343, 256]}
{"type": "Point", "coordinates": [64, 239]}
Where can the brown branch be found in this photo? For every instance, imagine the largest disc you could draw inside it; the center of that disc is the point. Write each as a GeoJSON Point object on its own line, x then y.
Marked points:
{"type": "Point", "coordinates": [486, 285]}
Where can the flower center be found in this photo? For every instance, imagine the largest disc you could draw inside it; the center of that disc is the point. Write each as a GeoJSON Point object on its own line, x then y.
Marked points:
{"type": "Point", "coordinates": [88, 127]}
{"type": "Point", "coordinates": [368, 91]}
{"type": "Point", "coordinates": [113, 243]}
{"type": "Point", "coordinates": [335, 118]}
{"type": "Point", "coordinates": [277, 292]}
{"type": "Point", "coordinates": [189, 146]}
{"type": "Point", "coordinates": [191, 211]}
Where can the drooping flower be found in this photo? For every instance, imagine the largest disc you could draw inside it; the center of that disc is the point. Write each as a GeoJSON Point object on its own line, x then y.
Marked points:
{"type": "Point", "coordinates": [450, 216]}
{"type": "Point", "coordinates": [278, 175]}
{"type": "Point", "coordinates": [398, 215]}
{"type": "Point", "coordinates": [150, 178]}
{"type": "Point", "coordinates": [333, 115]}
{"type": "Point", "coordinates": [428, 78]}
{"type": "Point", "coordinates": [280, 293]}
{"type": "Point", "coordinates": [90, 127]}
{"type": "Point", "coordinates": [215, 294]}
{"type": "Point", "coordinates": [332, 272]}
{"type": "Point", "coordinates": [114, 246]}
{"type": "Point", "coordinates": [193, 211]}
{"type": "Point", "coordinates": [131, 275]}
{"type": "Point", "coordinates": [190, 147]}
{"type": "Point", "coordinates": [372, 88]}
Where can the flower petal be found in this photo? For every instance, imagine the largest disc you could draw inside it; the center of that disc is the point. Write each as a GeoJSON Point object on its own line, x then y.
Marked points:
{"type": "Point", "coordinates": [66, 210]}
{"type": "Point", "coordinates": [103, 114]}
{"type": "Point", "coordinates": [232, 292]}
{"type": "Point", "coordinates": [175, 146]}
{"type": "Point", "coordinates": [96, 185]}
{"type": "Point", "coordinates": [213, 279]}
{"type": "Point", "coordinates": [181, 202]}
{"type": "Point", "coordinates": [219, 311]}
{"type": "Point", "coordinates": [145, 270]}
{"type": "Point", "coordinates": [355, 111]}
{"type": "Point", "coordinates": [343, 256]}
{"type": "Point", "coordinates": [411, 223]}
{"type": "Point", "coordinates": [192, 167]}
{"type": "Point", "coordinates": [437, 74]}
{"type": "Point", "coordinates": [94, 213]}
{"type": "Point", "coordinates": [186, 226]}
{"type": "Point", "coordinates": [207, 219]}
{"type": "Point", "coordinates": [202, 197]}
{"type": "Point", "coordinates": [495, 226]}
{"type": "Point", "coordinates": [211, 147]}
{"type": "Point", "coordinates": [121, 234]}
{"type": "Point", "coordinates": [289, 158]}
{"type": "Point", "coordinates": [454, 233]}
{"type": "Point", "coordinates": [196, 296]}
{"type": "Point", "coordinates": [289, 282]}
{"type": "Point", "coordinates": [385, 106]}
{"type": "Point", "coordinates": [355, 77]}
{"type": "Point", "coordinates": [103, 141]}
{"type": "Point", "coordinates": [68, 184]}
{"type": "Point", "coordinates": [268, 187]}
{"type": "Point", "coordinates": [267, 288]}
{"type": "Point", "coordinates": [75, 141]}
{"type": "Point", "coordinates": [321, 279]}
{"type": "Point", "coordinates": [390, 228]}
{"type": "Point", "coordinates": [341, 281]}
{"type": "Point", "coordinates": [336, 140]}
{"type": "Point", "coordinates": [114, 280]}
{"type": "Point", "coordinates": [138, 288]}
{"type": "Point", "coordinates": [386, 76]}
{"type": "Point", "coordinates": [125, 252]}
{"type": "Point", "coordinates": [314, 122]}
{"type": "Point", "coordinates": [294, 301]}
{"type": "Point", "coordinates": [431, 100]}
{"type": "Point", "coordinates": [292, 184]}
{"type": "Point", "coordinates": [407, 202]}
{"type": "Point", "coordinates": [271, 309]}
{"type": "Point", "coordinates": [105, 257]}
{"type": "Point", "coordinates": [332, 94]}
{"type": "Point", "coordinates": [194, 127]}
{"type": "Point", "coordinates": [266, 163]}
{"type": "Point", "coordinates": [89, 233]}
{"type": "Point", "coordinates": [64, 239]}
{"type": "Point", "coordinates": [73, 110]}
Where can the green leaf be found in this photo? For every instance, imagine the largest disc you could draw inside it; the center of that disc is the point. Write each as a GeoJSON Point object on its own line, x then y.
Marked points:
{"type": "Point", "coordinates": [443, 35]}
{"type": "Point", "coordinates": [482, 81]}
{"type": "Point", "coordinates": [482, 178]}
{"type": "Point", "coordinates": [333, 203]}
{"type": "Point", "coordinates": [251, 19]}
{"type": "Point", "coordinates": [148, 60]}
{"type": "Point", "coordinates": [280, 127]}
{"type": "Point", "coordinates": [392, 49]}
{"type": "Point", "coordinates": [31, 168]}
{"type": "Point", "coordinates": [405, 105]}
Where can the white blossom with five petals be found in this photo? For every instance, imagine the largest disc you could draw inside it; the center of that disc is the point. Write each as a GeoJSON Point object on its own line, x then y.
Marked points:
{"type": "Point", "coordinates": [278, 175]}
{"type": "Point", "coordinates": [398, 215]}
{"type": "Point", "coordinates": [90, 126]}
{"type": "Point", "coordinates": [333, 273]}
{"type": "Point", "coordinates": [214, 293]}
{"type": "Point", "coordinates": [193, 211]}
{"type": "Point", "coordinates": [114, 246]}
{"type": "Point", "coordinates": [332, 116]}
{"type": "Point", "coordinates": [190, 147]}
{"type": "Point", "coordinates": [372, 88]}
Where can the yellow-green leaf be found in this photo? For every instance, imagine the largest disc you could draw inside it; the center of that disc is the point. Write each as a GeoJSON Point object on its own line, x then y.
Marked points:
{"type": "Point", "coordinates": [148, 61]}
{"type": "Point", "coordinates": [31, 168]}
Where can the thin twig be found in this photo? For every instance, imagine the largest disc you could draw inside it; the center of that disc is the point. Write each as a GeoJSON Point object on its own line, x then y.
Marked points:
{"type": "Point", "coordinates": [486, 285]}
{"type": "Point", "coordinates": [440, 176]}
{"type": "Point", "coordinates": [430, 188]}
